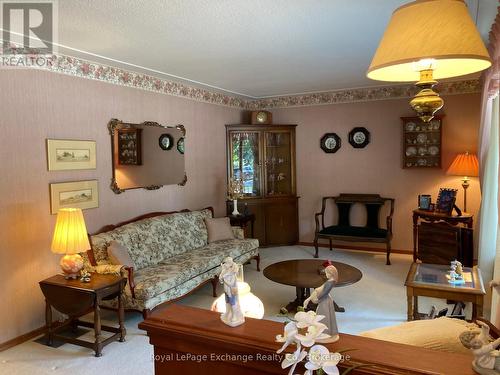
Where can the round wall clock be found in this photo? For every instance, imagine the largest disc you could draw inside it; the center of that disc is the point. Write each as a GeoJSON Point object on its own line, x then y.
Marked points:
{"type": "Point", "coordinates": [330, 143]}
{"type": "Point", "coordinates": [166, 141]}
{"type": "Point", "coordinates": [261, 117]}
{"type": "Point", "coordinates": [180, 145]}
{"type": "Point", "coordinates": [359, 137]}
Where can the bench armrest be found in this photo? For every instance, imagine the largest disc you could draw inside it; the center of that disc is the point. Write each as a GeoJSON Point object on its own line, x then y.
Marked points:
{"type": "Point", "coordinates": [316, 218]}
{"type": "Point", "coordinates": [322, 214]}
{"type": "Point", "coordinates": [389, 217]}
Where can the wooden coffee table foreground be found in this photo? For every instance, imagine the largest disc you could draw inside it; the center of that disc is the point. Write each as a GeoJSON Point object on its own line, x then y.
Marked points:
{"type": "Point", "coordinates": [303, 274]}
{"type": "Point", "coordinates": [429, 280]}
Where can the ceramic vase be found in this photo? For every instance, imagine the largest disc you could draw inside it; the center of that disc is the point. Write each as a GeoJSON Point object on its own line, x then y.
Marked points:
{"type": "Point", "coordinates": [235, 207]}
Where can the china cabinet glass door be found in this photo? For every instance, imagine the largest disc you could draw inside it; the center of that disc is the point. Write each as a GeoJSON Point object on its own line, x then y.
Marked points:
{"type": "Point", "coordinates": [278, 164]}
{"type": "Point", "coordinates": [245, 161]}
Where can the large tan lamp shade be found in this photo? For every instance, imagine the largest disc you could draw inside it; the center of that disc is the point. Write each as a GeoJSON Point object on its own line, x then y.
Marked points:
{"type": "Point", "coordinates": [70, 238]}
{"type": "Point", "coordinates": [427, 40]}
{"type": "Point", "coordinates": [465, 165]}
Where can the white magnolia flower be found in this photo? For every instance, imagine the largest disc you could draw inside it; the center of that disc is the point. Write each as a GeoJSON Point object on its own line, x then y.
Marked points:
{"type": "Point", "coordinates": [305, 319]}
{"type": "Point", "coordinates": [321, 358]}
{"type": "Point", "coordinates": [289, 336]}
{"type": "Point", "coordinates": [314, 333]}
{"type": "Point", "coordinates": [291, 359]}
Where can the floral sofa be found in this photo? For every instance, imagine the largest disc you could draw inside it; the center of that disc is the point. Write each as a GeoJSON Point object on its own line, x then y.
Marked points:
{"type": "Point", "coordinates": [171, 256]}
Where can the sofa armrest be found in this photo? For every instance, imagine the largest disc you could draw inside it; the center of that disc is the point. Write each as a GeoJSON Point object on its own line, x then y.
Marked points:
{"type": "Point", "coordinates": [118, 269]}
{"type": "Point", "coordinates": [238, 232]}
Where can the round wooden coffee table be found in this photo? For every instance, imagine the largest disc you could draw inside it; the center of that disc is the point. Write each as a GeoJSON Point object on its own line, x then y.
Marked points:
{"type": "Point", "coordinates": [304, 274]}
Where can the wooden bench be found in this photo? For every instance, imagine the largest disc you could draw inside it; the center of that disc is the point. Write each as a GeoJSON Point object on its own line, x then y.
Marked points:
{"type": "Point", "coordinates": [344, 231]}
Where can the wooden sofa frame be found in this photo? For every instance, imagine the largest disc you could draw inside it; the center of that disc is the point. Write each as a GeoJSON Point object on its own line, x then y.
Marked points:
{"type": "Point", "coordinates": [366, 199]}
{"type": "Point", "coordinates": [130, 270]}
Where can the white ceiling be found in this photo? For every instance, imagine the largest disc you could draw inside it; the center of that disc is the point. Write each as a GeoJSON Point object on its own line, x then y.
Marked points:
{"type": "Point", "coordinates": [254, 48]}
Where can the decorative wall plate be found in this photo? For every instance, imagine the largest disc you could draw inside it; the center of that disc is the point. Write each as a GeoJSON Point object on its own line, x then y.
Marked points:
{"type": "Point", "coordinates": [330, 143]}
{"type": "Point", "coordinates": [359, 137]}
{"type": "Point", "coordinates": [166, 141]}
{"type": "Point", "coordinates": [434, 150]}
{"type": "Point", "coordinates": [410, 126]}
{"type": "Point", "coordinates": [411, 151]}
{"type": "Point", "coordinates": [421, 138]}
{"type": "Point", "coordinates": [180, 145]}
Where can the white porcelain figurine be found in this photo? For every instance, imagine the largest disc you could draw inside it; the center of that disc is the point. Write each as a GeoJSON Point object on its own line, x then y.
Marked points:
{"type": "Point", "coordinates": [486, 357]}
{"type": "Point", "coordinates": [322, 297]}
{"type": "Point", "coordinates": [228, 277]}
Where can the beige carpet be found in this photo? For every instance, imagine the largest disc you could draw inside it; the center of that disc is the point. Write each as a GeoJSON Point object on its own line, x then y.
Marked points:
{"type": "Point", "coordinates": [377, 300]}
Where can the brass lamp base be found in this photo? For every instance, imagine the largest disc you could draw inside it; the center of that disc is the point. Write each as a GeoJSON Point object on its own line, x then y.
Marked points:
{"type": "Point", "coordinates": [465, 185]}
{"type": "Point", "coordinates": [427, 102]}
{"type": "Point", "coordinates": [71, 265]}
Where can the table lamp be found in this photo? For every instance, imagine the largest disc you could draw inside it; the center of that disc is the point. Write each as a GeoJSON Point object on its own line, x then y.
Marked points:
{"type": "Point", "coordinates": [465, 165]}
{"type": "Point", "coordinates": [427, 40]}
{"type": "Point", "coordinates": [70, 238]}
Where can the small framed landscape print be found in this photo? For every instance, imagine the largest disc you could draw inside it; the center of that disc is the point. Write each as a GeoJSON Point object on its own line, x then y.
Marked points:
{"type": "Point", "coordinates": [446, 200]}
{"type": "Point", "coordinates": [65, 154]}
{"type": "Point", "coordinates": [78, 194]}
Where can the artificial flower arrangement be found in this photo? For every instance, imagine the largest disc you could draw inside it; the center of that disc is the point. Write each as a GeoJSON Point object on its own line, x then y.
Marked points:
{"type": "Point", "coordinates": [235, 192]}
{"type": "Point", "coordinates": [306, 331]}
{"type": "Point", "coordinates": [235, 189]}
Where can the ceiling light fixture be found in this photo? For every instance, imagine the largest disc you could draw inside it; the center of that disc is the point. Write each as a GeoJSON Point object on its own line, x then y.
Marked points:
{"type": "Point", "coordinates": [428, 40]}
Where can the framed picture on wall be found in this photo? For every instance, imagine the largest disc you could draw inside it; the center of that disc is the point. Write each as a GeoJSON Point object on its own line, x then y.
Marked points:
{"type": "Point", "coordinates": [66, 154]}
{"type": "Point", "coordinates": [77, 194]}
{"type": "Point", "coordinates": [129, 146]}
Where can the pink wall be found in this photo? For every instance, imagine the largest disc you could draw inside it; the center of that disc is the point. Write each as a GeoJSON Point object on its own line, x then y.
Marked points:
{"type": "Point", "coordinates": [39, 105]}
{"type": "Point", "coordinates": [376, 168]}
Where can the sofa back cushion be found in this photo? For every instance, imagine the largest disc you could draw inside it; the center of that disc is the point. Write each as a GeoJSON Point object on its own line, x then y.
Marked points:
{"type": "Point", "coordinates": [151, 240]}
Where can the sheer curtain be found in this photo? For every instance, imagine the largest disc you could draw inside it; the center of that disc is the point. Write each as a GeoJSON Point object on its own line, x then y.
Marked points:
{"type": "Point", "coordinates": [489, 142]}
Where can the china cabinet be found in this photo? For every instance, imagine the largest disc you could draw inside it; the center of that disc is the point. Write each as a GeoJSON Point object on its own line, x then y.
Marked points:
{"type": "Point", "coordinates": [263, 157]}
{"type": "Point", "coordinates": [422, 142]}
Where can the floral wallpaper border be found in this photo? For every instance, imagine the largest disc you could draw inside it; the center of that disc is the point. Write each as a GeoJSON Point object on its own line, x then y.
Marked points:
{"type": "Point", "coordinates": [362, 95]}
{"type": "Point", "coordinates": [81, 68]}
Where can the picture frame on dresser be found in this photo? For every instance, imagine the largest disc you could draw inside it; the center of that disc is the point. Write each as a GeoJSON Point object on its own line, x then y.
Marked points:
{"type": "Point", "coordinates": [69, 154]}
{"type": "Point", "coordinates": [422, 143]}
{"type": "Point", "coordinates": [75, 194]}
{"type": "Point", "coordinates": [446, 200]}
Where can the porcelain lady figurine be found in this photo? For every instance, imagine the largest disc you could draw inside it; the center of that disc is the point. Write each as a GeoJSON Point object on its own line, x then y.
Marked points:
{"type": "Point", "coordinates": [321, 296]}
{"type": "Point", "coordinates": [228, 277]}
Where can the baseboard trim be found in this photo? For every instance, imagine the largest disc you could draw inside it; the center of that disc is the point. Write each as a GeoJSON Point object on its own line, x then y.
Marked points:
{"type": "Point", "coordinates": [359, 248]}
{"type": "Point", "coordinates": [23, 338]}
{"type": "Point", "coordinates": [26, 337]}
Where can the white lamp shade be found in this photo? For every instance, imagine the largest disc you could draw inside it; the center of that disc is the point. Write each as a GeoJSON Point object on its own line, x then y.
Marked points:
{"type": "Point", "coordinates": [70, 232]}
{"type": "Point", "coordinates": [251, 305]}
{"type": "Point", "coordinates": [441, 30]}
